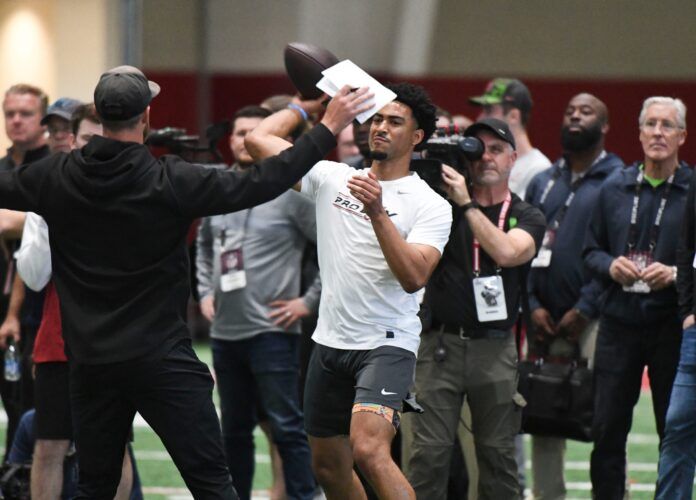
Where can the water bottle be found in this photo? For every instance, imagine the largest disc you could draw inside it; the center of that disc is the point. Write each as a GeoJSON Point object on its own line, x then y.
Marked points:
{"type": "Point", "coordinates": [12, 373]}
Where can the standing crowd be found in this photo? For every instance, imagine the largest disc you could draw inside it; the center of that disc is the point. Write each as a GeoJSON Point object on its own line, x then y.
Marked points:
{"type": "Point", "coordinates": [425, 299]}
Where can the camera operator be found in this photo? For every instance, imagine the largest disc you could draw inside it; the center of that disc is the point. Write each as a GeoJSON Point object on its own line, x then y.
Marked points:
{"type": "Point", "coordinates": [469, 349]}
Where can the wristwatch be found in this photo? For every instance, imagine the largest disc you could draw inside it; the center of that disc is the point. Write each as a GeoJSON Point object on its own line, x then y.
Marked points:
{"type": "Point", "coordinates": [674, 273]}
{"type": "Point", "coordinates": [467, 206]}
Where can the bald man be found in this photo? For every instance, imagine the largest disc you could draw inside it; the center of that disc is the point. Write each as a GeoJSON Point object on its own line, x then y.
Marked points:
{"type": "Point", "coordinates": [563, 299]}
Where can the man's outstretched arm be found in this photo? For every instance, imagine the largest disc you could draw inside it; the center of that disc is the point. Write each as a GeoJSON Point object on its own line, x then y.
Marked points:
{"type": "Point", "coordinates": [268, 138]}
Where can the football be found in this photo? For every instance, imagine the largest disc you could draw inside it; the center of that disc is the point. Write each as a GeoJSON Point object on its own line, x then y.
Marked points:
{"type": "Point", "coordinates": [304, 63]}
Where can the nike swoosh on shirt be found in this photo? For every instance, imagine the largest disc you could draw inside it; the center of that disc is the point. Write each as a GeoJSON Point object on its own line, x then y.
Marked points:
{"type": "Point", "coordinates": [385, 393]}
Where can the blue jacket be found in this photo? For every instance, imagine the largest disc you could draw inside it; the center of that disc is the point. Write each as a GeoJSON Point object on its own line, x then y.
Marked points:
{"type": "Point", "coordinates": [566, 284]}
{"type": "Point", "coordinates": [607, 239]}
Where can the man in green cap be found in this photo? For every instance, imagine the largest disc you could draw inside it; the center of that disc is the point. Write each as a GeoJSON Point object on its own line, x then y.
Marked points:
{"type": "Point", "coordinates": [508, 99]}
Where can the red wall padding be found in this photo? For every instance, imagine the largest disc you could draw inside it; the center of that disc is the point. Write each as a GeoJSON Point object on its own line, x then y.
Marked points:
{"type": "Point", "coordinates": [176, 104]}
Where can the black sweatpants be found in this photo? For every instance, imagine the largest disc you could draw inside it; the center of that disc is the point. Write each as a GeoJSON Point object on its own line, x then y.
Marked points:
{"type": "Point", "coordinates": [174, 396]}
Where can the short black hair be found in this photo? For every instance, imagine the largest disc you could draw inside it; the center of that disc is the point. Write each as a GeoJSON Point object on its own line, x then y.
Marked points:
{"type": "Point", "coordinates": [251, 111]}
{"type": "Point", "coordinates": [424, 111]}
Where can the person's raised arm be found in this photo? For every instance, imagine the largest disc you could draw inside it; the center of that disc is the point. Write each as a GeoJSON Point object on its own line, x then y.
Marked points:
{"type": "Point", "coordinates": [268, 138]}
{"type": "Point", "coordinates": [279, 165]}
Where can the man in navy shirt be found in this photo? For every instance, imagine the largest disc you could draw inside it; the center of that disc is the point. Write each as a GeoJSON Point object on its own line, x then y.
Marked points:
{"type": "Point", "coordinates": [562, 295]}
{"type": "Point", "coordinates": [631, 247]}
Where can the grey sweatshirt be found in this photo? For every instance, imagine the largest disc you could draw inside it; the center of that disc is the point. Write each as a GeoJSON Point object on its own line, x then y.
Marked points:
{"type": "Point", "coordinates": [272, 244]}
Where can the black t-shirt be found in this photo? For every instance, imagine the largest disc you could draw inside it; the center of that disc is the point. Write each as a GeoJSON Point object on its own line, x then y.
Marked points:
{"type": "Point", "coordinates": [450, 292]}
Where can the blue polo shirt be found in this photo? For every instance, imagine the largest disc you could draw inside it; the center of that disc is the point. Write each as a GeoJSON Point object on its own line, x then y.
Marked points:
{"type": "Point", "coordinates": [607, 238]}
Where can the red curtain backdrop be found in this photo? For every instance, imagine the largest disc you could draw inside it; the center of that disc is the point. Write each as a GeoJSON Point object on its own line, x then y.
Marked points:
{"type": "Point", "coordinates": [176, 105]}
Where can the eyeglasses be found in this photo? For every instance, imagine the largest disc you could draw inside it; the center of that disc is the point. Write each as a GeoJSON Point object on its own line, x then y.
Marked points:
{"type": "Point", "coordinates": [56, 127]}
{"type": "Point", "coordinates": [668, 127]}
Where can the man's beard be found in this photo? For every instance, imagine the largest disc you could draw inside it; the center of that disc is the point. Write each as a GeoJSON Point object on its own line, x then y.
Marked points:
{"type": "Point", "coordinates": [584, 140]}
{"type": "Point", "coordinates": [377, 155]}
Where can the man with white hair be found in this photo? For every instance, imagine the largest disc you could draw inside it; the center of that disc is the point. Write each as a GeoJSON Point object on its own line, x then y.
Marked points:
{"type": "Point", "coordinates": [631, 247]}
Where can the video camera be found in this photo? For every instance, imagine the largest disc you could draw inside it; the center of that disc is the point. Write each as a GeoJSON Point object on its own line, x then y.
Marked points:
{"type": "Point", "coordinates": [189, 147]}
{"type": "Point", "coordinates": [450, 146]}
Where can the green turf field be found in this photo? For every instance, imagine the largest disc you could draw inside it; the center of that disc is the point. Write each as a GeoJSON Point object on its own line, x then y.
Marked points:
{"type": "Point", "coordinates": [162, 481]}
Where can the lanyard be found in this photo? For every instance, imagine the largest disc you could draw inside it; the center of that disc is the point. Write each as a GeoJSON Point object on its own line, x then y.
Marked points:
{"type": "Point", "coordinates": [560, 215]}
{"type": "Point", "coordinates": [655, 229]}
{"type": "Point", "coordinates": [223, 234]}
{"type": "Point", "coordinates": [501, 224]}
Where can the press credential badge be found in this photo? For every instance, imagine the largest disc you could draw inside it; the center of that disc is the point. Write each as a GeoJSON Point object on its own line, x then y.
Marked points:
{"type": "Point", "coordinates": [543, 258]}
{"type": "Point", "coordinates": [490, 298]}
{"type": "Point", "coordinates": [232, 274]}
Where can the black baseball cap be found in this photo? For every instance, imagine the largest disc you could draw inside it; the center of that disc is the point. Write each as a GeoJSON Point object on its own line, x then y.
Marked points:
{"type": "Point", "coordinates": [505, 90]}
{"type": "Point", "coordinates": [494, 125]}
{"type": "Point", "coordinates": [122, 93]}
{"type": "Point", "coordinates": [63, 108]}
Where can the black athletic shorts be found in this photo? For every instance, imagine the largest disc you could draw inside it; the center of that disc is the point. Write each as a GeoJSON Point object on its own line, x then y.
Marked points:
{"type": "Point", "coordinates": [52, 398]}
{"type": "Point", "coordinates": [338, 378]}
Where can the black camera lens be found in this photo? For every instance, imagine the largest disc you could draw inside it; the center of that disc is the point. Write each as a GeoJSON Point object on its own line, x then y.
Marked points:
{"type": "Point", "coordinates": [472, 147]}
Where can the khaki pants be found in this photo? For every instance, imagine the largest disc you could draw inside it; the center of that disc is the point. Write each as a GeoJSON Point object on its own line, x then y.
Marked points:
{"type": "Point", "coordinates": [485, 371]}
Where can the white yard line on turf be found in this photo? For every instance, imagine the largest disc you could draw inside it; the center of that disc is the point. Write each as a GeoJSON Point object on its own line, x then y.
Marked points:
{"type": "Point", "coordinates": [163, 456]}
{"type": "Point", "coordinates": [635, 438]}
{"type": "Point", "coordinates": [632, 466]}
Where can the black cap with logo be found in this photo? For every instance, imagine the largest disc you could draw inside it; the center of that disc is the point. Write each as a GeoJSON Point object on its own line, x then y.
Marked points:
{"type": "Point", "coordinates": [494, 125]}
{"type": "Point", "coordinates": [122, 93]}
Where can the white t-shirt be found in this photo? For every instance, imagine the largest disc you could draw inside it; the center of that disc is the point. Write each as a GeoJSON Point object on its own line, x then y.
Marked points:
{"type": "Point", "coordinates": [363, 306]}
{"type": "Point", "coordinates": [524, 170]}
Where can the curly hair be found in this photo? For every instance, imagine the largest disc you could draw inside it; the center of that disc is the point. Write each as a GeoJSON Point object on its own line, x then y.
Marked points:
{"type": "Point", "coordinates": [416, 98]}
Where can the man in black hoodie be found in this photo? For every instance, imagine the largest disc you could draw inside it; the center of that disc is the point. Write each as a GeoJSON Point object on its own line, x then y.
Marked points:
{"type": "Point", "coordinates": [118, 220]}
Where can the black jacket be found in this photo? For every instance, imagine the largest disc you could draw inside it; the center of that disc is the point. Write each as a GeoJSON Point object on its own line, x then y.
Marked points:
{"type": "Point", "coordinates": [608, 235]}
{"type": "Point", "coordinates": [118, 219]}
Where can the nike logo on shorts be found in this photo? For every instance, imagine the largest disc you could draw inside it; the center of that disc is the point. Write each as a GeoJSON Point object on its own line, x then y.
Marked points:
{"type": "Point", "coordinates": [385, 393]}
